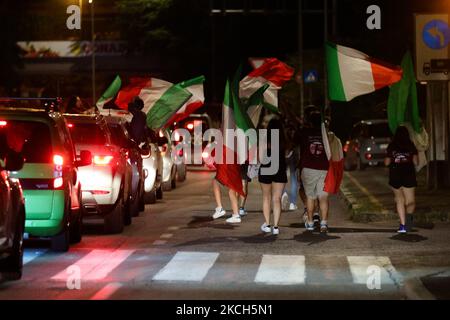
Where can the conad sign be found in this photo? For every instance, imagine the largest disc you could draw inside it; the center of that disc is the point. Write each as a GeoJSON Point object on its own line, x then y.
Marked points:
{"type": "Point", "coordinates": [70, 49]}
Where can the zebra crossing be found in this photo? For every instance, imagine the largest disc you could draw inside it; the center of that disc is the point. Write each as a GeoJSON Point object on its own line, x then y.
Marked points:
{"type": "Point", "coordinates": [194, 267]}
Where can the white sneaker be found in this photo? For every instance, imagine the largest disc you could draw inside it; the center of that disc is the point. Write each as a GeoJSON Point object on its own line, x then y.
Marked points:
{"type": "Point", "coordinates": [276, 231]}
{"type": "Point", "coordinates": [266, 228]}
{"type": "Point", "coordinates": [220, 212]}
{"type": "Point", "coordinates": [234, 219]}
{"type": "Point", "coordinates": [284, 201]}
{"type": "Point", "coordinates": [293, 207]}
{"type": "Point", "coordinates": [242, 212]}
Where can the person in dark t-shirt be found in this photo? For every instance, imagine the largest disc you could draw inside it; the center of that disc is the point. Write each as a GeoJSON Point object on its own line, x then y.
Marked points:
{"type": "Point", "coordinates": [402, 157]}
{"type": "Point", "coordinates": [314, 165]}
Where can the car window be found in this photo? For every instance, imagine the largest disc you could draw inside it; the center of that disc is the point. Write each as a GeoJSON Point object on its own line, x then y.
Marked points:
{"type": "Point", "coordinates": [89, 133]}
{"type": "Point", "coordinates": [37, 146]}
{"type": "Point", "coordinates": [118, 135]}
{"type": "Point", "coordinates": [379, 130]}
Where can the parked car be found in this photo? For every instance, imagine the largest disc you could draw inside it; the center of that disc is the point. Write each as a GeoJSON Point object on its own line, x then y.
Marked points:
{"type": "Point", "coordinates": [153, 163]}
{"type": "Point", "coordinates": [50, 175]}
{"type": "Point", "coordinates": [181, 165]}
{"type": "Point", "coordinates": [12, 212]}
{"type": "Point", "coordinates": [191, 123]}
{"type": "Point", "coordinates": [121, 138]}
{"type": "Point", "coordinates": [106, 182]}
{"type": "Point", "coordinates": [166, 146]}
{"type": "Point", "coordinates": [367, 146]}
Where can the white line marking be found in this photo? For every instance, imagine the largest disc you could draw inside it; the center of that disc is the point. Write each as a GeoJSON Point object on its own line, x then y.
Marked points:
{"type": "Point", "coordinates": [281, 270]}
{"type": "Point", "coordinates": [97, 264]}
{"type": "Point", "coordinates": [107, 291]}
{"type": "Point", "coordinates": [166, 236]}
{"type": "Point", "coordinates": [359, 267]}
{"type": "Point", "coordinates": [187, 266]}
{"type": "Point", "coordinates": [29, 256]}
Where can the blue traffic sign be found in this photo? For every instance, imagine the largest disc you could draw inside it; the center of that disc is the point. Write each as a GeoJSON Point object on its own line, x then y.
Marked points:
{"type": "Point", "coordinates": [311, 76]}
{"type": "Point", "coordinates": [436, 34]}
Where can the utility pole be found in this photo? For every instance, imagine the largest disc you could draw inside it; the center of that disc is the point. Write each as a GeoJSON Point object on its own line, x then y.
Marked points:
{"type": "Point", "coordinates": [300, 58]}
{"type": "Point", "coordinates": [93, 51]}
{"type": "Point", "coordinates": [325, 37]}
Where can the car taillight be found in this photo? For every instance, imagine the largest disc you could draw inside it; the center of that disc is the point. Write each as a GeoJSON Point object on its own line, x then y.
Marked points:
{"type": "Point", "coordinates": [102, 160]}
{"type": "Point", "coordinates": [70, 125]}
{"type": "Point", "coordinates": [58, 160]}
{"type": "Point", "coordinates": [180, 152]}
{"type": "Point", "coordinates": [57, 183]}
{"type": "Point", "coordinates": [368, 156]}
{"type": "Point", "coordinates": [3, 123]}
{"type": "Point", "coordinates": [177, 136]}
{"type": "Point", "coordinates": [347, 145]}
{"type": "Point", "coordinates": [190, 126]}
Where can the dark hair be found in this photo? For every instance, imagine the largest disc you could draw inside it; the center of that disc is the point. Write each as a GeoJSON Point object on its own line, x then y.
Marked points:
{"type": "Point", "coordinates": [315, 118]}
{"type": "Point", "coordinates": [401, 140]}
{"type": "Point", "coordinates": [276, 124]}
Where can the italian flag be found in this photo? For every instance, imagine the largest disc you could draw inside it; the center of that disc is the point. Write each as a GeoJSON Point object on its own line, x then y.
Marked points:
{"type": "Point", "coordinates": [110, 93]}
{"type": "Point", "coordinates": [352, 73]}
{"type": "Point", "coordinates": [266, 71]}
{"type": "Point", "coordinates": [195, 87]}
{"type": "Point", "coordinates": [229, 174]}
{"type": "Point", "coordinates": [162, 99]}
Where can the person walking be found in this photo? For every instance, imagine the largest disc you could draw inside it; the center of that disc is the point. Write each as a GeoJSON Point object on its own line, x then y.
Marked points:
{"type": "Point", "coordinates": [289, 198]}
{"type": "Point", "coordinates": [314, 164]}
{"type": "Point", "coordinates": [402, 159]}
{"type": "Point", "coordinates": [273, 185]}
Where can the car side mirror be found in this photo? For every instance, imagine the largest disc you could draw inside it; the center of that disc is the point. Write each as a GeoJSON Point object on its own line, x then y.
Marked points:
{"type": "Point", "coordinates": [14, 161]}
{"type": "Point", "coordinates": [85, 158]}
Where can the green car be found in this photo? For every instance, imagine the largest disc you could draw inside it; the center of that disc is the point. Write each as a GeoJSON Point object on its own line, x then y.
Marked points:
{"type": "Point", "coordinates": [49, 177]}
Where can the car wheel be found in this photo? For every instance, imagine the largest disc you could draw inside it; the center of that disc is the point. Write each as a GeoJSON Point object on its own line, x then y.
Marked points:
{"type": "Point", "coordinates": [182, 175]}
{"type": "Point", "coordinates": [61, 242]}
{"type": "Point", "coordinates": [173, 184]}
{"type": "Point", "coordinates": [114, 221]}
{"type": "Point", "coordinates": [150, 197]}
{"type": "Point", "coordinates": [13, 265]}
{"type": "Point", "coordinates": [135, 207]}
{"type": "Point", "coordinates": [76, 230]}
{"type": "Point", "coordinates": [167, 186]}
{"type": "Point", "coordinates": [159, 193]}
{"type": "Point", "coordinates": [127, 214]}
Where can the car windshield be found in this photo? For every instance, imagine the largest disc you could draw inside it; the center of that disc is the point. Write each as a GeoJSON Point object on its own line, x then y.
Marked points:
{"type": "Point", "coordinates": [88, 133]}
{"type": "Point", "coordinates": [379, 130]}
{"type": "Point", "coordinates": [33, 138]}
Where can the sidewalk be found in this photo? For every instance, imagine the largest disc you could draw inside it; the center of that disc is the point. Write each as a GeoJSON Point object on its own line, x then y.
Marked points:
{"type": "Point", "coordinates": [370, 198]}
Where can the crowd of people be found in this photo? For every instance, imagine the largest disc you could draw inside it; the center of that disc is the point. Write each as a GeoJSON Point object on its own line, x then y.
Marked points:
{"type": "Point", "coordinates": [304, 158]}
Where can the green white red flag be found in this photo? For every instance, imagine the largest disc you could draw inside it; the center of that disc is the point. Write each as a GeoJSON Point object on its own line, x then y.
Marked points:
{"type": "Point", "coordinates": [110, 93]}
{"type": "Point", "coordinates": [229, 174]}
{"type": "Point", "coordinates": [194, 86]}
{"type": "Point", "coordinates": [267, 71]}
{"type": "Point", "coordinates": [352, 73]}
{"type": "Point", "coordinates": [162, 99]}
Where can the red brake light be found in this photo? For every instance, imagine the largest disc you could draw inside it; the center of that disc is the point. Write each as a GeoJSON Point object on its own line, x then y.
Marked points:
{"type": "Point", "coordinates": [57, 183]}
{"type": "Point", "coordinates": [190, 126]}
{"type": "Point", "coordinates": [3, 123]}
{"type": "Point", "coordinates": [58, 160]}
{"type": "Point", "coordinates": [368, 156]}
{"type": "Point", "coordinates": [102, 160]}
{"type": "Point", "coordinates": [70, 125]}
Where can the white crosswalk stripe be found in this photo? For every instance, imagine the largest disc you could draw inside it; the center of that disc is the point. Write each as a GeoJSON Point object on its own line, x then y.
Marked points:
{"type": "Point", "coordinates": [30, 255]}
{"type": "Point", "coordinates": [187, 266]}
{"type": "Point", "coordinates": [365, 269]}
{"type": "Point", "coordinates": [281, 270]}
{"type": "Point", "coordinates": [96, 265]}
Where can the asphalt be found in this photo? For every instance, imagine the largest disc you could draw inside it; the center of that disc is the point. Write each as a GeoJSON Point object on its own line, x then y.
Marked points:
{"type": "Point", "coordinates": [174, 250]}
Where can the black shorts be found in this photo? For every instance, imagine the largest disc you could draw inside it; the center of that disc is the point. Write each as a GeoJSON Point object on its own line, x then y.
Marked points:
{"type": "Point", "coordinates": [279, 177]}
{"type": "Point", "coordinates": [402, 176]}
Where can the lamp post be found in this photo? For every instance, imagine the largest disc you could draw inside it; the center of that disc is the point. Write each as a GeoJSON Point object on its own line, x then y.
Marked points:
{"type": "Point", "coordinates": [91, 2]}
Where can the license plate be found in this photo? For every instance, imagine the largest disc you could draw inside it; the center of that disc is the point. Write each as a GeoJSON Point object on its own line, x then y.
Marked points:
{"type": "Point", "coordinates": [384, 146]}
